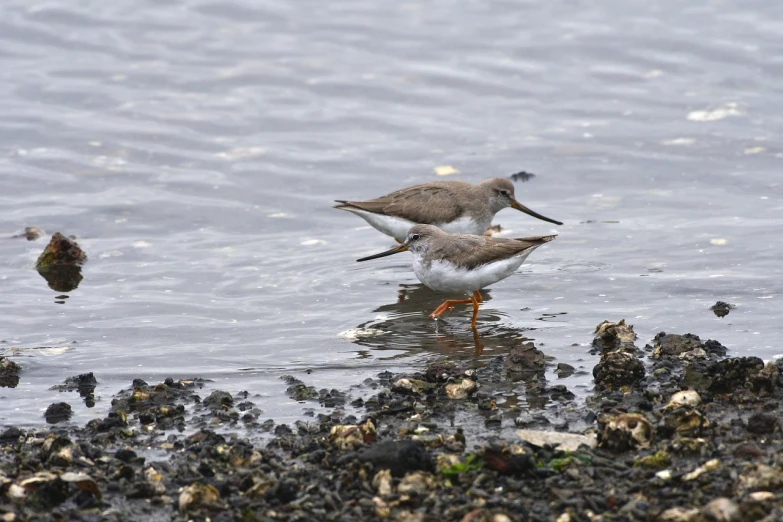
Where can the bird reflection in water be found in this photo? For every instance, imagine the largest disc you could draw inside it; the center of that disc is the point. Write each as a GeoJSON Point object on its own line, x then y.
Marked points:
{"type": "Point", "coordinates": [405, 327]}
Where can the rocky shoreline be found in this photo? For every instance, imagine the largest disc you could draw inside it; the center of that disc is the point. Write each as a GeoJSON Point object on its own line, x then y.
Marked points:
{"type": "Point", "coordinates": [674, 431]}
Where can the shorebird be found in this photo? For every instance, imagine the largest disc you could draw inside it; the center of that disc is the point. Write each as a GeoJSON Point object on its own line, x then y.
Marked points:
{"type": "Point", "coordinates": [452, 206]}
{"type": "Point", "coordinates": [463, 263]}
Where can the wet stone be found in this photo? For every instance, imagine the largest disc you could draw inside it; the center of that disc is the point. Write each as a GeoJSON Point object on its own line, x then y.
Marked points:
{"type": "Point", "coordinates": [721, 308]}
{"type": "Point", "coordinates": [624, 432]}
{"type": "Point", "coordinates": [674, 345]}
{"type": "Point", "coordinates": [297, 389]}
{"type": "Point", "coordinates": [617, 369]}
{"type": "Point", "coordinates": [58, 412]}
{"type": "Point", "coordinates": [399, 457]}
{"type": "Point", "coordinates": [219, 400]}
{"type": "Point", "coordinates": [60, 263]}
{"type": "Point", "coordinates": [609, 336]}
{"type": "Point", "coordinates": [9, 373]}
{"type": "Point", "coordinates": [730, 374]}
{"type": "Point", "coordinates": [84, 384]}
{"type": "Point", "coordinates": [11, 435]}
{"type": "Point", "coordinates": [442, 371]}
{"type": "Point", "coordinates": [762, 423]}
{"type": "Point", "coordinates": [525, 358]}
{"type": "Point", "coordinates": [564, 370]}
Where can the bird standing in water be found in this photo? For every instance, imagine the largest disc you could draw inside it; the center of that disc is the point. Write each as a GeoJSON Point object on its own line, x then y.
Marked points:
{"type": "Point", "coordinates": [462, 263]}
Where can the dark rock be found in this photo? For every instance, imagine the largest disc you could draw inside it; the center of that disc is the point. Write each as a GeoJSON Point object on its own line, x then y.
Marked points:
{"type": "Point", "coordinates": [611, 336]}
{"type": "Point", "coordinates": [443, 370]}
{"type": "Point", "coordinates": [507, 464]}
{"type": "Point", "coordinates": [730, 374]}
{"type": "Point", "coordinates": [564, 370]}
{"type": "Point", "coordinates": [58, 412]}
{"type": "Point", "coordinates": [618, 369]}
{"type": "Point", "coordinates": [714, 347]}
{"type": "Point", "coordinates": [748, 451]}
{"type": "Point", "coordinates": [399, 457]}
{"type": "Point", "coordinates": [9, 373]}
{"type": "Point", "coordinates": [84, 383]}
{"type": "Point", "coordinates": [219, 400]}
{"type": "Point", "coordinates": [762, 423]}
{"type": "Point", "coordinates": [298, 391]}
{"type": "Point", "coordinates": [125, 455]}
{"type": "Point", "coordinates": [522, 176]}
{"type": "Point", "coordinates": [673, 345]}
{"type": "Point", "coordinates": [721, 309]}
{"type": "Point", "coordinates": [11, 435]}
{"type": "Point", "coordinates": [525, 358]}
{"type": "Point", "coordinates": [60, 263]}
{"type": "Point", "coordinates": [283, 491]}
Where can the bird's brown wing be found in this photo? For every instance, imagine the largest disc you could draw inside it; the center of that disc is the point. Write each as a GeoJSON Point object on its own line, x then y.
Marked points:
{"type": "Point", "coordinates": [472, 251]}
{"type": "Point", "coordinates": [429, 203]}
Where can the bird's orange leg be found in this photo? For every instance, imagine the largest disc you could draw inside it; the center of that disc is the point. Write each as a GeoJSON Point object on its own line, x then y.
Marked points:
{"type": "Point", "coordinates": [475, 311]}
{"type": "Point", "coordinates": [448, 305]}
{"type": "Point", "coordinates": [477, 295]}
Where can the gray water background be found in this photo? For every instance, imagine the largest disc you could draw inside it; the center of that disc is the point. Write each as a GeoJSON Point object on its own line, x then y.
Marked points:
{"type": "Point", "coordinates": [194, 148]}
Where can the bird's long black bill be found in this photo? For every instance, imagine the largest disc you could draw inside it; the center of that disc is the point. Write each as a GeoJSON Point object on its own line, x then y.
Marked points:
{"type": "Point", "coordinates": [395, 250]}
{"type": "Point", "coordinates": [519, 206]}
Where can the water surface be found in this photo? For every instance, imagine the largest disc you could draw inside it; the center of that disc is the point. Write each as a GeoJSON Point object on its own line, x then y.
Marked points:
{"type": "Point", "coordinates": [194, 149]}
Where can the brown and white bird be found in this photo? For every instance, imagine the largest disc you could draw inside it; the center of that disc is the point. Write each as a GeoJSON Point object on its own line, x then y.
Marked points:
{"type": "Point", "coordinates": [462, 263]}
{"type": "Point", "coordinates": [452, 206]}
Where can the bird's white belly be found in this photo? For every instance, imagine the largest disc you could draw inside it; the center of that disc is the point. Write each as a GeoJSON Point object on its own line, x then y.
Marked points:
{"type": "Point", "coordinates": [466, 225]}
{"type": "Point", "coordinates": [389, 225]}
{"type": "Point", "coordinates": [446, 277]}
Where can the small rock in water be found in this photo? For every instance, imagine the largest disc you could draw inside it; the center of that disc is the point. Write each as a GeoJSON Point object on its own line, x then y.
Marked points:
{"type": "Point", "coordinates": [564, 370]}
{"type": "Point", "coordinates": [9, 373]}
{"type": "Point", "coordinates": [522, 176]}
{"type": "Point", "coordinates": [610, 336]}
{"type": "Point", "coordinates": [30, 233]}
{"type": "Point", "coordinates": [525, 358]}
{"type": "Point", "coordinates": [58, 412]}
{"type": "Point", "coordinates": [721, 309]}
{"type": "Point", "coordinates": [674, 345]}
{"type": "Point", "coordinates": [442, 371]}
{"type": "Point", "coordinates": [84, 383]}
{"type": "Point", "coordinates": [219, 400]}
{"type": "Point", "coordinates": [60, 263]}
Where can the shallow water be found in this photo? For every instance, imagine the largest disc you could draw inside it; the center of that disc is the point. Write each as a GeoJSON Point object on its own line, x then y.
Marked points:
{"type": "Point", "coordinates": [194, 148]}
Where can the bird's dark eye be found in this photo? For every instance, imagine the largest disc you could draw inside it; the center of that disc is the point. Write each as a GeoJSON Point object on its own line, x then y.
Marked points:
{"type": "Point", "coordinates": [414, 237]}
{"type": "Point", "coordinates": [504, 192]}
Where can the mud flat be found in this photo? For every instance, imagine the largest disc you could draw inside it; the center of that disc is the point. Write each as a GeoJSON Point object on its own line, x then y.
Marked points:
{"type": "Point", "coordinates": [677, 430]}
